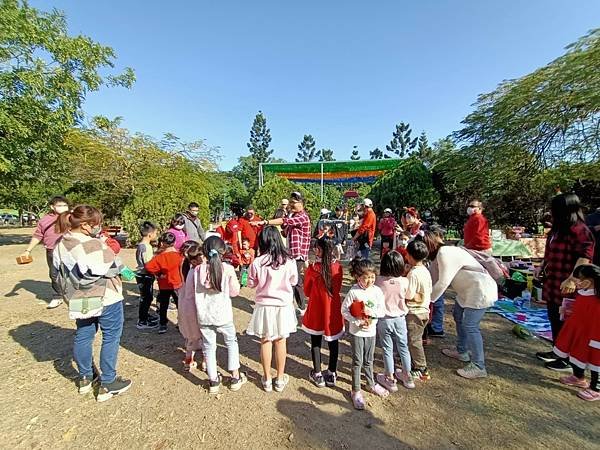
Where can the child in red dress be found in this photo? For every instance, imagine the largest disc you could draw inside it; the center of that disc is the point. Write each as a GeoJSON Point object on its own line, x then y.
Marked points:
{"type": "Point", "coordinates": [323, 317]}
{"type": "Point", "coordinates": [579, 339]}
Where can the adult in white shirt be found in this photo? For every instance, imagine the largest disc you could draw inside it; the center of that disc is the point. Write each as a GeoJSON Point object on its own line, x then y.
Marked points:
{"type": "Point", "coordinates": [476, 291]}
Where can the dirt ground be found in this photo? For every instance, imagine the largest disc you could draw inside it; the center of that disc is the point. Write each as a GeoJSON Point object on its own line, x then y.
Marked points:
{"type": "Point", "coordinates": [521, 404]}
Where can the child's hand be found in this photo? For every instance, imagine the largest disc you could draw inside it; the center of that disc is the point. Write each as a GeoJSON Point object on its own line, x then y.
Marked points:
{"type": "Point", "coordinates": [365, 324]}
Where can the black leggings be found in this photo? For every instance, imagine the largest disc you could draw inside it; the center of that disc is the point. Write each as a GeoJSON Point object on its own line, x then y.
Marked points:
{"type": "Point", "coordinates": [163, 297]}
{"type": "Point", "coordinates": [580, 373]}
{"type": "Point", "coordinates": [315, 348]}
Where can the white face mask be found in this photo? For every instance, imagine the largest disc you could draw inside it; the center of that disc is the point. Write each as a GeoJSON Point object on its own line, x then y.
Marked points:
{"type": "Point", "coordinates": [194, 213]}
{"type": "Point", "coordinates": [179, 227]}
{"type": "Point", "coordinates": [470, 211]}
{"type": "Point", "coordinates": [404, 242]}
{"type": "Point", "coordinates": [60, 209]}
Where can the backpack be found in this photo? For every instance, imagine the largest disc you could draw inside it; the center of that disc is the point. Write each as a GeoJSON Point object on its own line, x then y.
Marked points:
{"type": "Point", "coordinates": [493, 266]}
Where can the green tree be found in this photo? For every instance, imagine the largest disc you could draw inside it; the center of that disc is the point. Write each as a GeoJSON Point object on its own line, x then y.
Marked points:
{"type": "Point", "coordinates": [45, 75]}
{"type": "Point", "coordinates": [424, 151]}
{"type": "Point", "coordinates": [376, 154]}
{"type": "Point", "coordinates": [355, 156]}
{"type": "Point", "coordinates": [326, 154]}
{"type": "Point", "coordinates": [410, 184]}
{"type": "Point", "coordinates": [307, 150]}
{"type": "Point", "coordinates": [260, 138]}
{"type": "Point", "coordinates": [552, 113]}
{"type": "Point", "coordinates": [402, 144]}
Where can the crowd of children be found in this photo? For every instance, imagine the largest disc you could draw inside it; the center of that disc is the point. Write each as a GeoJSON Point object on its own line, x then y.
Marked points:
{"type": "Point", "coordinates": [392, 308]}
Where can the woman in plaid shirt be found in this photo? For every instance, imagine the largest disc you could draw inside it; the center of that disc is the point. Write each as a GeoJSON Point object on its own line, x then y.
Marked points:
{"type": "Point", "coordinates": [570, 244]}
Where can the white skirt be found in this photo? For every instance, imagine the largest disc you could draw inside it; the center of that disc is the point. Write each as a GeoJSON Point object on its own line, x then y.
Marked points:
{"type": "Point", "coordinates": [272, 322]}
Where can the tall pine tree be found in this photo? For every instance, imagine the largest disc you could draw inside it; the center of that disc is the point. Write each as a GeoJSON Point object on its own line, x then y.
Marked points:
{"type": "Point", "coordinates": [376, 153]}
{"type": "Point", "coordinates": [424, 150]}
{"type": "Point", "coordinates": [307, 150]}
{"type": "Point", "coordinates": [326, 155]}
{"type": "Point", "coordinates": [402, 144]}
{"type": "Point", "coordinates": [260, 138]}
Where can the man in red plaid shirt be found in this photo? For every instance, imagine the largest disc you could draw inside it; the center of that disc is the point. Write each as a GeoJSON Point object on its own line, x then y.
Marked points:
{"type": "Point", "coordinates": [298, 231]}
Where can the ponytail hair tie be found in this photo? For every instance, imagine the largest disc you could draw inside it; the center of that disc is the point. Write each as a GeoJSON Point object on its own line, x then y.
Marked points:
{"type": "Point", "coordinates": [212, 253]}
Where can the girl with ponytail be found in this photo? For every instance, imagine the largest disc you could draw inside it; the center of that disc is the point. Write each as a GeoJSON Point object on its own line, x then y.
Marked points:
{"type": "Point", "coordinates": [323, 317]}
{"type": "Point", "coordinates": [215, 283]}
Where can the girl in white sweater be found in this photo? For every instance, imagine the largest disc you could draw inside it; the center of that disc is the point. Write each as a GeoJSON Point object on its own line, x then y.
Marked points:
{"type": "Point", "coordinates": [476, 291]}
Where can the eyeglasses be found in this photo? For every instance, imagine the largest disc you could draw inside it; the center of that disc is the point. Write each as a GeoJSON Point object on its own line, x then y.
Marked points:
{"type": "Point", "coordinates": [473, 206]}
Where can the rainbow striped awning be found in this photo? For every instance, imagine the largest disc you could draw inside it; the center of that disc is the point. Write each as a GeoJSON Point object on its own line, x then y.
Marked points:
{"type": "Point", "coordinates": [332, 172]}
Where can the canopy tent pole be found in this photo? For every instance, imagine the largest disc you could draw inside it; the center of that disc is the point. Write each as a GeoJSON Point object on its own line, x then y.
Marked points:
{"type": "Point", "coordinates": [260, 175]}
{"type": "Point", "coordinates": [321, 183]}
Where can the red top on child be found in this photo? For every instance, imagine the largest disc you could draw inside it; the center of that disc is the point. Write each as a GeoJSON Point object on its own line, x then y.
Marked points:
{"type": "Point", "coordinates": [167, 268]}
{"type": "Point", "coordinates": [477, 228]}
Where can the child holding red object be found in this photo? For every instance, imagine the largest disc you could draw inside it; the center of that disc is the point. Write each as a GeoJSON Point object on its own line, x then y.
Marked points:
{"type": "Point", "coordinates": [166, 266]}
{"type": "Point", "coordinates": [579, 339]}
{"type": "Point", "coordinates": [363, 304]}
{"type": "Point", "coordinates": [246, 259]}
{"type": "Point", "coordinates": [323, 317]}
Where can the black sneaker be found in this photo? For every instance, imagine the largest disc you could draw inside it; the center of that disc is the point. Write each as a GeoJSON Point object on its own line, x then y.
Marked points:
{"type": "Point", "coordinates": [107, 391]}
{"type": "Point", "coordinates": [162, 329]}
{"type": "Point", "coordinates": [153, 319]}
{"type": "Point", "coordinates": [146, 325]}
{"type": "Point", "coordinates": [546, 356]}
{"type": "Point", "coordinates": [330, 378]}
{"type": "Point", "coordinates": [236, 383]}
{"type": "Point", "coordinates": [317, 379]}
{"type": "Point", "coordinates": [435, 334]}
{"type": "Point", "coordinates": [214, 385]}
{"type": "Point", "coordinates": [86, 384]}
{"type": "Point", "coordinates": [559, 365]}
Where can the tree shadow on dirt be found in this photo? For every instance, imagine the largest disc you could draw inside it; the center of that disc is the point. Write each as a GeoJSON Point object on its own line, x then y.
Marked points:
{"type": "Point", "coordinates": [48, 342]}
{"type": "Point", "coordinates": [14, 239]}
{"type": "Point", "coordinates": [41, 289]}
{"type": "Point", "coordinates": [316, 426]}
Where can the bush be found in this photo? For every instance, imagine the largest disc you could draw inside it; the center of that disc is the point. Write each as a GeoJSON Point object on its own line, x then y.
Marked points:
{"type": "Point", "coordinates": [267, 198]}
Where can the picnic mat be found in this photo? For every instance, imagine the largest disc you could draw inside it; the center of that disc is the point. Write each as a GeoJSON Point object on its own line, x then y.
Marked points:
{"type": "Point", "coordinates": [534, 319]}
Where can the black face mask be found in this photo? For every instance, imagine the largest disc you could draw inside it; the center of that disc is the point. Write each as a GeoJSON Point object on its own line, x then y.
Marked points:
{"type": "Point", "coordinates": [249, 216]}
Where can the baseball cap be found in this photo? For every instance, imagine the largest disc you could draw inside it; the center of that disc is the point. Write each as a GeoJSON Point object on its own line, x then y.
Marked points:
{"type": "Point", "coordinates": [367, 202]}
{"type": "Point", "coordinates": [388, 210]}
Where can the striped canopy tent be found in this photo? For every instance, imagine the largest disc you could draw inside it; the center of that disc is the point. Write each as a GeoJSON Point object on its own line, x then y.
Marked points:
{"type": "Point", "coordinates": [329, 172]}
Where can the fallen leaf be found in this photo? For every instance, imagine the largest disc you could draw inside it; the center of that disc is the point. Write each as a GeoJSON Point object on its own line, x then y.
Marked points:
{"type": "Point", "coordinates": [70, 435]}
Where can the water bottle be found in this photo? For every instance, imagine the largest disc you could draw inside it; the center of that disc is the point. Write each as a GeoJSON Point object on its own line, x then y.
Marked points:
{"type": "Point", "coordinates": [127, 274]}
{"type": "Point", "coordinates": [526, 298]}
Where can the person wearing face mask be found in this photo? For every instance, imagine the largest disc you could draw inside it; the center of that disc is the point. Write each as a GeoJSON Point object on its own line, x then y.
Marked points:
{"type": "Point", "coordinates": [178, 229]}
{"type": "Point", "coordinates": [47, 234]}
{"type": "Point", "coordinates": [192, 225]}
{"type": "Point", "coordinates": [248, 230]}
{"type": "Point", "coordinates": [89, 267]}
{"type": "Point", "coordinates": [477, 229]}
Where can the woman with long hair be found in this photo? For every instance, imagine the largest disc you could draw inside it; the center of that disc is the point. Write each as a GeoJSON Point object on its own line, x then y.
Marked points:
{"type": "Point", "coordinates": [569, 244]}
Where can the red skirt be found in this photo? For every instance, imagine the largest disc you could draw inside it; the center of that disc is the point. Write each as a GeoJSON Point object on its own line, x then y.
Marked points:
{"type": "Point", "coordinates": [579, 338]}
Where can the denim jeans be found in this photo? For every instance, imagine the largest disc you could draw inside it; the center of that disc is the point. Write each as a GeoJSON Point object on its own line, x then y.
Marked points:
{"type": "Point", "coordinates": [437, 317]}
{"type": "Point", "coordinates": [468, 333]}
{"type": "Point", "coordinates": [209, 344]}
{"type": "Point", "coordinates": [111, 325]}
{"type": "Point", "coordinates": [299, 288]}
{"type": "Point", "coordinates": [392, 332]}
{"type": "Point", "coordinates": [365, 251]}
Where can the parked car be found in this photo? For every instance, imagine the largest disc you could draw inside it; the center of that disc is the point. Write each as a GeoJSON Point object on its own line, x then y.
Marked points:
{"type": "Point", "coordinates": [8, 219]}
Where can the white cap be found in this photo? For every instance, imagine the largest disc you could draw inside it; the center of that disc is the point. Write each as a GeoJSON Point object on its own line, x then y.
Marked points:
{"type": "Point", "coordinates": [325, 211]}
{"type": "Point", "coordinates": [387, 210]}
{"type": "Point", "coordinates": [367, 202]}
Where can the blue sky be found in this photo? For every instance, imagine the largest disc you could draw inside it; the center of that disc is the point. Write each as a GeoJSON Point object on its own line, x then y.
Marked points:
{"type": "Point", "coordinates": [344, 71]}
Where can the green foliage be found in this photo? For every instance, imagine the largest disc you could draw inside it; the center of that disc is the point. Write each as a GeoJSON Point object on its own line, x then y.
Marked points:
{"type": "Point", "coordinates": [355, 156]}
{"type": "Point", "coordinates": [266, 200]}
{"type": "Point", "coordinates": [45, 75]}
{"type": "Point", "coordinates": [326, 154]}
{"type": "Point", "coordinates": [376, 154]}
{"type": "Point", "coordinates": [307, 150]}
{"type": "Point", "coordinates": [424, 151]}
{"type": "Point", "coordinates": [260, 138]}
{"type": "Point", "coordinates": [552, 113]}
{"type": "Point", "coordinates": [410, 184]}
{"type": "Point", "coordinates": [402, 144]}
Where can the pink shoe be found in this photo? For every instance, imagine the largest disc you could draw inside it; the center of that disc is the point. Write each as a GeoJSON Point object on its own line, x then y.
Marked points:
{"type": "Point", "coordinates": [379, 390]}
{"type": "Point", "coordinates": [358, 400]}
{"type": "Point", "coordinates": [388, 383]}
{"type": "Point", "coordinates": [572, 380]}
{"type": "Point", "coordinates": [588, 395]}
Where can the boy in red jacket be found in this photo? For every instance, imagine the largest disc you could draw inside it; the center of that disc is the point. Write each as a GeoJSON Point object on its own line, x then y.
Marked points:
{"type": "Point", "coordinates": [166, 265]}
